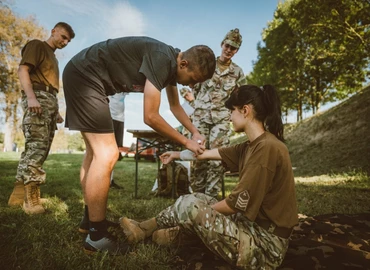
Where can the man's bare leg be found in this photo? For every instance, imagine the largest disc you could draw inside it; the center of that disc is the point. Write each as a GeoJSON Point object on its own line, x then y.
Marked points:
{"type": "Point", "coordinates": [100, 157]}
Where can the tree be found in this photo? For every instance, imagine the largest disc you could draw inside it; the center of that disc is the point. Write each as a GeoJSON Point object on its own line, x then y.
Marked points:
{"type": "Point", "coordinates": [14, 33]}
{"type": "Point", "coordinates": [317, 51]}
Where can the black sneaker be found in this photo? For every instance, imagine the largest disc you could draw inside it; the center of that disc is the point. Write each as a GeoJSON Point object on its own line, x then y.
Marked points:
{"type": "Point", "coordinates": [85, 225]}
{"type": "Point", "coordinates": [106, 244]}
{"type": "Point", "coordinates": [114, 185]}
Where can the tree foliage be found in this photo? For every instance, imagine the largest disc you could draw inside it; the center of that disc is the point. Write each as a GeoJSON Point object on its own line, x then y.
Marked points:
{"type": "Point", "coordinates": [315, 52]}
{"type": "Point", "coordinates": [15, 32]}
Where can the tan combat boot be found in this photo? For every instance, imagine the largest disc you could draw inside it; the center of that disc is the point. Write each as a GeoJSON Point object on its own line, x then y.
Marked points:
{"type": "Point", "coordinates": [166, 237]}
{"type": "Point", "coordinates": [17, 196]}
{"type": "Point", "coordinates": [32, 204]}
{"type": "Point", "coordinates": [42, 200]}
{"type": "Point", "coordinates": [136, 231]}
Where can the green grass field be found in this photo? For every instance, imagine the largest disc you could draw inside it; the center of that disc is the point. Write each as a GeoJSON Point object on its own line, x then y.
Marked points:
{"type": "Point", "coordinates": [51, 240]}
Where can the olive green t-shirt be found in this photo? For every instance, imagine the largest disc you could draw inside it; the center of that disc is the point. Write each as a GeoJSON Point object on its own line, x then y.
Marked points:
{"type": "Point", "coordinates": [266, 187]}
{"type": "Point", "coordinates": [40, 57]}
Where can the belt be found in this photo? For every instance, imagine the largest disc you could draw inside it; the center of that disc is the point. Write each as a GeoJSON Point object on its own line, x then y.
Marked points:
{"type": "Point", "coordinates": [272, 228]}
{"type": "Point", "coordinates": [45, 88]}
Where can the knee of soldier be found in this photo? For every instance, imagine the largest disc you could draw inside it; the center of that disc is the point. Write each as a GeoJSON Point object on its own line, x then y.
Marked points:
{"type": "Point", "coordinates": [193, 204]}
{"type": "Point", "coordinates": [107, 155]}
{"type": "Point", "coordinates": [185, 200]}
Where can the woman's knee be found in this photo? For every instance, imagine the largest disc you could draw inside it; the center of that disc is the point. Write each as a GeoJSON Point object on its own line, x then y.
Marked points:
{"type": "Point", "coordinates": [192, 205]}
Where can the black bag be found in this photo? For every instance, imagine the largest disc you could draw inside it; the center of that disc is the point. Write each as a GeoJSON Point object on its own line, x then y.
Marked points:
{"type": "Point", "coordinates": [165, 179]}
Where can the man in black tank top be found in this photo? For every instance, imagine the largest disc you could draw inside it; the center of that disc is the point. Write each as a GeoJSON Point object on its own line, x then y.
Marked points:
{"type": "Point", "coordinates": [128, 64]}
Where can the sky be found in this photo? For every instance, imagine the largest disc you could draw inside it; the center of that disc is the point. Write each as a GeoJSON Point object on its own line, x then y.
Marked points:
{"type": "Point", "coordinates": [181, 24]}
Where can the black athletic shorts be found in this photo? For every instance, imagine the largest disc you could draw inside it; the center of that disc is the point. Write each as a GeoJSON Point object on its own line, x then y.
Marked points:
{"type": "Point", "coordinates": [87, 103]}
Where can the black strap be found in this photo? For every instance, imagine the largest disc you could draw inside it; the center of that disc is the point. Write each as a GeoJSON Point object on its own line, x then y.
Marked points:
{"type": "Point", "coordinates": [45, 88]}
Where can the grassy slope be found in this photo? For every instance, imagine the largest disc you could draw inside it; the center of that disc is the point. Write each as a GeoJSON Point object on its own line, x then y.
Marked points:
{"type": "Point", "coordinates": [335, 141]}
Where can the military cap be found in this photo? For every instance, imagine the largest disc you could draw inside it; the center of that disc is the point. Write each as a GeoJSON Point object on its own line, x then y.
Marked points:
{"type": "Point", "coordinates": [233, 38]}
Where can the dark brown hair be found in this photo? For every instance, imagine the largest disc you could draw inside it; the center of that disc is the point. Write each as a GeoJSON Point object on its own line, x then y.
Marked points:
{"type": "Point", "coordinates": [201, 59]}
{"type": "Point", "coordinates": [266, 104]}
{"type": "Point", "coordinates": [67, 27]}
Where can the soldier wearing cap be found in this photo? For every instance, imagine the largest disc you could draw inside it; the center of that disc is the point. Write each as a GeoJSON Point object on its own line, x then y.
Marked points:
{"type": "Point", "coordinates": [187, 94]}
{"type": "Point", "coordinates": [211, 117]}
{"type": "Point", "coordinates": [188, 107]}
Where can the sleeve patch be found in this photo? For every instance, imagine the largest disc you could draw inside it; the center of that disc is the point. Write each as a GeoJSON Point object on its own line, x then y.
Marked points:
{"type": "Point", "coordinates": [242, 201]}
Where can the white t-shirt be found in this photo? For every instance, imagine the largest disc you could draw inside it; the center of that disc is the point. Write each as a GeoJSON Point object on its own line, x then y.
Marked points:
{"type": "Point", "coordinates": [117, 106]}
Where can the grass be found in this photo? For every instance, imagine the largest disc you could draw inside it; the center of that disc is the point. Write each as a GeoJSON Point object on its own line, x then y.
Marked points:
{"type": "Point", "coordinates": [51, 240]}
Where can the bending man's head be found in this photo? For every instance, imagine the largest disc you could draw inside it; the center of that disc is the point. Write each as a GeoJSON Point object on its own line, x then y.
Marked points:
{"type": "Point", "coordinates": [195, 65]}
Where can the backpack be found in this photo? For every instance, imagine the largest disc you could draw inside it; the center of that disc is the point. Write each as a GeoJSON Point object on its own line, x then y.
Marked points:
{"type": "Point", "coordinates": [181, 180]}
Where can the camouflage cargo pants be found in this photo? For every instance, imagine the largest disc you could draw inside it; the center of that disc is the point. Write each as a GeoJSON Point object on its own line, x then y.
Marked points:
{"type": "Point", "coordinates": [234, 238]}
{"type": "Point", "coordinates": [39, 132]}
{"type": "Point", "coordinates": [207, 175]}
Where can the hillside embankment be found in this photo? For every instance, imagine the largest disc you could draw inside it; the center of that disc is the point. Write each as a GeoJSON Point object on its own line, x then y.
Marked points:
{"type": "Point", "coordinates": [334, 141]}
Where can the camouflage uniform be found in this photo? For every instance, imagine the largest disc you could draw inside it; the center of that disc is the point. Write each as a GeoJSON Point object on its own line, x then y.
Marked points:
{"type": "Point", "coordinates": [234, 238]}
{"type": "Point", "coordinates": [212, 119]}
{"type": "Point", "coordinates": [39, 132]}
{"type": "Point", "coordinates": [38, 129]}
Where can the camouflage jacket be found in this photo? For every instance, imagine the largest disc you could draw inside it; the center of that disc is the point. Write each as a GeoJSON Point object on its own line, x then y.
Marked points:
{"type": "Point", "coordinates": [212, 94]}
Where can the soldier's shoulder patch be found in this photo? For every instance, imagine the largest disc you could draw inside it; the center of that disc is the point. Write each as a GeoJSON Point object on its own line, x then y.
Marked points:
{"type": "Point", "coordinates": [242, 201]}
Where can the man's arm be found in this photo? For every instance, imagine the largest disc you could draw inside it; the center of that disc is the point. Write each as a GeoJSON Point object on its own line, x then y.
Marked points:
{"type": "Point", "coordinates": [179, 113]}
{"type": "Point", "coordinates": [152, 100]}
{"type": "Point", "coordinates": [24, 78]}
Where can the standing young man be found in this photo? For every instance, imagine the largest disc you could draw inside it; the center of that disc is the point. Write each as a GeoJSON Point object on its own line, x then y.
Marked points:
{"type": "Point", "coordinates": [211, 117]}
{"type": "Point", "coordinates": [129, 64]}
{"type": "Point", "coordinates": [39, 77]}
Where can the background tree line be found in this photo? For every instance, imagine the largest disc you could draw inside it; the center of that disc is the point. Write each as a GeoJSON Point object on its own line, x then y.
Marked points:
{"type": "Point", "coordinates": [315, 52]}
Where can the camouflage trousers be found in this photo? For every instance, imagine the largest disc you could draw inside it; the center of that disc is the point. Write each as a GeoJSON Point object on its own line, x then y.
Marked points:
{"type": "Point", "coordinates": [207, 175]}
{"type": "Point", "coordinates": [38, 132]}
{"type": "Point", "coordinates": [234, 238]}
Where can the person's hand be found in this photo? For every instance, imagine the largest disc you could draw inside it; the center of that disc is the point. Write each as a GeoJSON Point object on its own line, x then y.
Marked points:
{"type": "Point", "coordinates": [196, 147]}
{"type": "Point", "coordinates": [59, 119]}
{"type": "Point", "coordinates": [200, 139]}
{"type": "Point", "coordinates": [34, 106]}
{"type": "Point", "coordinates": [167, 157]}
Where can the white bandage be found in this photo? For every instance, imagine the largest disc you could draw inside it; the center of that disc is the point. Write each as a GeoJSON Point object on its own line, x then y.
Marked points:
{"type": "Point", "coordinates": [187, 155]}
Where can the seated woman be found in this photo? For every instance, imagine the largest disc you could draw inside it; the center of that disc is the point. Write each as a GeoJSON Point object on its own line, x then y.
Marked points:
{"type": "Point", "coordinates": [251, 227]}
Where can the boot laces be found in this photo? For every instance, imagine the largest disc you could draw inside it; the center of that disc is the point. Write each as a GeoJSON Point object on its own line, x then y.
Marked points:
{"type": "Point", "coordinates": [34, 194]}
